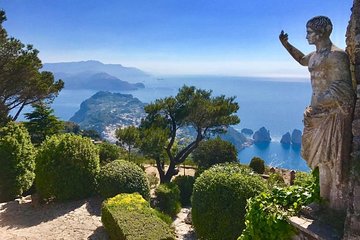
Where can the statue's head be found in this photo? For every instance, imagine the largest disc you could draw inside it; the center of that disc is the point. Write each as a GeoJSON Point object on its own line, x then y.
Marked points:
{"type": "Point", "coordinates": [318, 27]}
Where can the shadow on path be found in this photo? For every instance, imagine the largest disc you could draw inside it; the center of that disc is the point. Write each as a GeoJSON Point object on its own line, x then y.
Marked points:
{"type": "Point", "coordinates": [15, 215]}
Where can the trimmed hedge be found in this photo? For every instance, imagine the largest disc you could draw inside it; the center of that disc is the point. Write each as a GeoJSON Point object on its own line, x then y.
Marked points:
{"type": "Point", "coordinates": [168, 199]}
{"type": "Point", "coordinates": [219, 200]}
{"type": "Point", "coordinates": [17, 161]}
{"type": "Point", "coordinates": [186, 185]}
{"type": "Point", "coordinates": [121, 176]}
{"type": "Point", "coordinates": [66, 167]}
{"type": "Point", "coordinates": [130, 217]}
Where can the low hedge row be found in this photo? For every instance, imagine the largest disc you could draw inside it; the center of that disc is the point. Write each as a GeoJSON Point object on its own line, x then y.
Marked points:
{"type": "Point", "coordinates": [130, 217]}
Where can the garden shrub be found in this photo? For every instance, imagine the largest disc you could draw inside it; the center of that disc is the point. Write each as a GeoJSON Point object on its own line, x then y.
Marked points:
{"type": "Point", "coordinates": [130, 217]}
{"type": "Point", "coordinates": [168, 198]}
{"type": "Point", "coordinates": [66, 167]}
{"type": "Point", "coordinates": [17, 161]}
{"type": "Point", "coordinates": [257, 165]}
{"type": "Point", "coordinates": [212, 152]}
{"type": "Point", "coordinates": [185, 184]}
{"type": "Point", "coordinates": [219, 200]}
{"type": "Point", "coordinates": [121, 176]}
{"type": "Point", "coordinates": [266, 216]}
{"type": "Point", "coordinates": [108, 152]}
{"type": "Point", "coordinates": [275, 180]}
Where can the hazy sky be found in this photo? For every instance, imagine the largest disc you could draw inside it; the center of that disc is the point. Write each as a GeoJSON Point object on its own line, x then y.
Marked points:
{"type": "Point", "coordinates": [222, 37]}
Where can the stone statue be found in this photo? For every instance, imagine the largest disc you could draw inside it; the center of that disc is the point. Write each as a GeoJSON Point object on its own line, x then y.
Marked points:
{"type": "Point", "coordinates": [326, 141]}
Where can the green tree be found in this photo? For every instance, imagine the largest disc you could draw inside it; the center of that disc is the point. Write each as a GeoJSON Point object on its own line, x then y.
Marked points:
{"type": "Point", "coordinates": [128, 137]}
{"type": "Point", "coordinates": [109, 152]}
{"type": "Point", "coordinates": [21, 82]}
{"type": "Point", "coordinates": [191, 107]}
{"type": "Point", "coordinates": [257, 165]}
{"type": "Point", "coordinates": [214, 151]}
{"type": "Point", "coordinates": [42, 122]}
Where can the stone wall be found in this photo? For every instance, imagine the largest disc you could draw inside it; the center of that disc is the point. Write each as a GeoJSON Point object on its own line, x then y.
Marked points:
{"type": "Point", "coordinates": [352, 224]}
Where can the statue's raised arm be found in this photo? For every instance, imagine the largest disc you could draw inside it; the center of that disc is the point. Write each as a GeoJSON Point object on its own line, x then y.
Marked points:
{"type": "Point", "coordinates": [294, 52]}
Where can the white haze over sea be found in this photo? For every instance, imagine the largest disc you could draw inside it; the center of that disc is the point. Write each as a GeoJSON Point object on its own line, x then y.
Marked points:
{"type": "Point", "coordinates": [276, 104]}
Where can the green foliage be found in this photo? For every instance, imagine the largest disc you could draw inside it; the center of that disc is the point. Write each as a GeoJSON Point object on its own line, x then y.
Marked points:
{"type": "Point", "coordinates": [66, 166]}
{"type": "Point", "coordinates": [109, 152]}
{"type": "Point", "coordinates": [191, 107]}
{"type": "Point", "coordinates": [168, 198]}
{"type": "Point", "coordinates": [214, 151]}
{"type": "Point", "coordinates": [128, 137]}
{"type": "Point", "coordinates": [121, 176]}
{"type": "Point", "coordinates": [257, 165]}
{"type": "Point", "coordinates": [219, 200]}
{"type": "Point", "coordinates": [130, 217]}
{"type": "Point", "coordinates": [21, 82]}
{"type": "Point", "coordinates": [17, 161]}
{"type": "Point", "coordinates": [153, 180]}
{"type": "Point", "coordinates": [275, 180]}
{"type": "Point", "coordinates": [267, 213]}
{"type": "Point", "coordinates": [303, 179]}
{"type": "Point", "coordinates": [42, 122]}
{"type": "Point", "coordinates": [71, 127]}
{"type": "Point", "coordinates": [186, 185]}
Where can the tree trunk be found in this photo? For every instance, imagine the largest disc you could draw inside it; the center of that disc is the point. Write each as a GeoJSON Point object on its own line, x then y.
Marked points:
{"type": "Point", "coordinates": [169, 173]}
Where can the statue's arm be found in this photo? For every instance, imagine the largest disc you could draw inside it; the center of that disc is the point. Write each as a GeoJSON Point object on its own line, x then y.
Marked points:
{"type": "Point", "coordinates": [294, 52]}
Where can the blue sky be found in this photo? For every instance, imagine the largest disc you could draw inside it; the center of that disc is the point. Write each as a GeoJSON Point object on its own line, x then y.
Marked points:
{"type": "Point", "coordinates": [221, 37]}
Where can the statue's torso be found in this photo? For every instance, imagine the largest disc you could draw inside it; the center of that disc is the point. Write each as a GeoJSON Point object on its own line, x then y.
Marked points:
{"type": "Point", "coordinates": [325, 67]}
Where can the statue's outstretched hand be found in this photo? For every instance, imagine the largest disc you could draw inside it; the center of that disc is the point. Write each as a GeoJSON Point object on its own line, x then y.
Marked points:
{"type": "Point", "coordinates": [283, 37]}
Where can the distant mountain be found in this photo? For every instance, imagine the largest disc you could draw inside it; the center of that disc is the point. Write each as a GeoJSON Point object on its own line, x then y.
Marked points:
{"type": "Point", "coordinates": [96, 81]}
{"type": "Point", "coordinates": [106, 111]}
{"type": "Point", "coordinates": [129, 74]}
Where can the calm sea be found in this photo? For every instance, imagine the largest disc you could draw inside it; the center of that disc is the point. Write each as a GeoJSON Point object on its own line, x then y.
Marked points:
{"type": "Point", "coordinates": [273, 103]}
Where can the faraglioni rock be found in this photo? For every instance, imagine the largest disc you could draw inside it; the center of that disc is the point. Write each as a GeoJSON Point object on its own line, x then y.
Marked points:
{"type": "Point", "coordinates": [262, 136]}
{"type": "Point", "coordinates": [247, 131]}
{"type": "Point", "coordinates": [296, 137]}
{"type": "Point", "coordinates": [286, 139]}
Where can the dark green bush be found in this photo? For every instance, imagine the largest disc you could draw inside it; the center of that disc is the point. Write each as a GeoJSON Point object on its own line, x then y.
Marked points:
{"type": "Point", "coordinates": [121, 176]}
{"type": "Point", "coordinates": [66, 167]}
{"type": "Point", "coordinates": [109, 152]}
{"type": "Point", "coordinates": [130, 217]}
{"type": "Point", "coordinates": [266, 216]}
{"type": "Point", "coordinates": [219, 200]}
{"type": "Point", "coordinates": [168, 199]}
{"type": "Point", "coordinates": [17, 161]}
{"type": "Point", "coordinates": [185, 184]}
{"type": "Point", "coordinates": [214, 151]}
{"type": "Point", "coordinates": [257, 165]}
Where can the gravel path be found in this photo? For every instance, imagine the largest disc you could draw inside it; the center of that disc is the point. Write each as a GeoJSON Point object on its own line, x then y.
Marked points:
{"type": "Point", "coordinates": [66, 221]}
{"type": "Point", "coordinates": [75, 220]}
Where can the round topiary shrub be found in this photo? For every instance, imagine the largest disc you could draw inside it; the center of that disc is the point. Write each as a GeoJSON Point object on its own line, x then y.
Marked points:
{"type": "Point", "coordinates": [121, 176]}
{"type": "Point", "coordinates": [17, 161]}
{"type": "Point", "coordinates": [219, 200]}
{"type": "Point", "coordinates": [66, 167]}
{"type": "Point", "coordinates": [257, 165]}
{"type": "Point", "coordinates": [168, 198]}
{"type": "Point", "coordinates": [185, 184]}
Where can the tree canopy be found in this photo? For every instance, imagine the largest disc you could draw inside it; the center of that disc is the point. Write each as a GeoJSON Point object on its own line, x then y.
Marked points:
{"type": "Point", "coordinates": [193, 108]}
{"type": "Point", "coordinates": [42, 122]}
{"type": "Point", "coordinates": [21, 81]}
{"type": "Point", "coordinates": [128, 138]}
